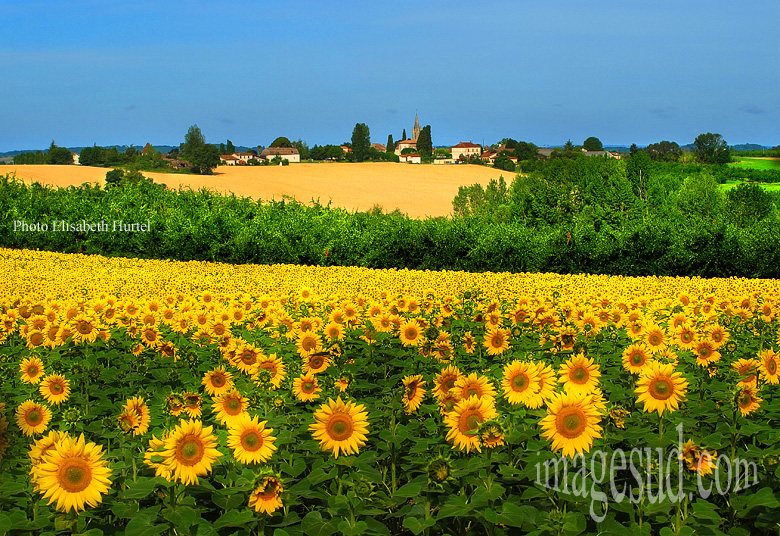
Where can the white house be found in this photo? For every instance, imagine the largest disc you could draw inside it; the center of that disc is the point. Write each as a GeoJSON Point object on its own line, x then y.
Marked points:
{"type": "Point", "coordinates": [410, 158]}
{"type": "Point", "coordinates": [466, 149]}
{"type": "Point", "coordinates": [290, 154]}
{"type": "Point", "coordinates": [405, 144]}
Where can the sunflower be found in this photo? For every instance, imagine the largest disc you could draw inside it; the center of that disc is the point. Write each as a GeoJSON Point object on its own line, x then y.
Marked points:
{"type": "Point", "coordinates": [31, 369]}
{"type": "Point", "coordinates": [55, 389]}
{"type": "Point", "coordinates": [308, 343]}
{"type": "Point", "coordinates": [275, 368]}
{"type": "Point", "coordinates": [746, 370]}
{"type": "Point", "coordinates": [32, 417]}
{"type": "Point", "coordinates": [189, 451]}
{"type": "Point", "coordinates": [250, 440]}
{"type": "Point", "coordinates": [340, 426]}
{"type": "Point", "coordinates": [474, 385]}
{"type": "Point", "coordinates": [718, 335]}
{"type": "Point", "coordinates": [156, 447]}
{"type": "Point", "coordinates": [572, 423]}
{"type": "Point", "coordinates": [266, 497]}
{"type": "Point", "coordinates": [192, 403]}
{"type": "Point", "coordinates": [410, 333]}
{"type": "Point", "coordinates": [334, 331]}
{"type": "Point", "coordinates": [654, 337]}
{"type": "Point", "coordinates": [306, 388]}
{"type": "Point", "coordinates": [43, 445]}
{"type": "Point", "coordinates": [128, 420]}
{"type": "Point", "coordinates": [545, 386]}
{"type": "Point", "coordinates": [217, 381]}
{"type": "Point", "coordinates": [661, 388]}
{"type": "Point", "coordinates": [636, 357]}
{"type": "Point", "coordinates": [519, 382]}
{"type": "Point", "coordinates": [73, 474]}
{"type": "Point", "coordinates": [748, 400]}
{"type": "Point", "coordinates": [150, 337]}
{"type": "Point", "coordinates": [83, 329]}
{"type": "Point", "coordinates": [698, 460]}
{"type": "Point", "coordinates": [496, 341]}
{"type": "Point", "coordinates": [316, 363]}
{"type": "Point", "coordinates": [445, 381]}
{"type": "Point", "coordinates": [705, 353]}
{"type": "Point", "coordinates": [579, 375]}
{"type": "Point", "coordinates": [228, 406]}
{"type": "Point", "coordinates": [768, 368]}
{"type": "Point", "coordinates": [464, 420]}
{"type": "Point", "coordinates": [413, 392]}
{"type": "Point", "coordinates": [491, 433]}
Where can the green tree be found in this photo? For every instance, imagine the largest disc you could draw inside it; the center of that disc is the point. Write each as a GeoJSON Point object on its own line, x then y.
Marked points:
{"type": "Point", "coordinates": [361, 141]}
{"type": "Point", "coordinates": [592, 144]}
{"type": "Point", "coordinates": [424, 142]}
{"type": "Point", "coordinates": [59, 155]}
{"type": "Point", "coordinates": [526, 151]}
{"type": "Point", "coordinates": [711, 149]}
{"type": "Point", "coordinates": [390, 144]}
{"type": "Point", "coordinates": [193, 141]}
{"type": "Point", "coordinates": [504, 162]}
{"type": "Point", "coordinates": [664, 151]}
{"type": "Point", "coordinates": [230, 147]}
{"type": "Point", "coordinates": [303, 149]}
{"type": "Point", "coordinates": [204, 159]}
{"type": "Point", "coordinates": [747, 203]}
{"type": "Point", "coordinates": [568, 146]}
{"type": "Point", "coordinates": [281, 141]}
{"type": "Point", "coordinates": [403, 136]}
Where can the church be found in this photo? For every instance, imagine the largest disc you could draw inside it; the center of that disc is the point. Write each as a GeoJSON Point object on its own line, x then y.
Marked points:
{"type": "Point", "coordinates": [412, 143]}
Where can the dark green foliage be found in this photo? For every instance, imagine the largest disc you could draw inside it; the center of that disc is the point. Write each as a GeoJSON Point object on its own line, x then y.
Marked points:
{"type": "Point", "coordinates": [424, 143]}
{"type": "Point", "coordinates": [526, 151]}
{"type": "Point", "coordinates": [711, 149]}
{"type": "Point", "coordinates": [361, 141]}
{"type": "Point", "coordinates": [281, 141]}
{"type": "Point", "coordinates": [390, 145]}
{"type": "Point", "coordinates": [193, 141]}
{"type": "Point", "coordinates": [204, 159]}
{"type": "Point", "coordinates": [746, 203]}
{"type": "Point", "coordinates": [664, 151]}
{"type": "Point", "coordinates": [592, 144]}
{"type": "Point", "coordinates": [503, 162]}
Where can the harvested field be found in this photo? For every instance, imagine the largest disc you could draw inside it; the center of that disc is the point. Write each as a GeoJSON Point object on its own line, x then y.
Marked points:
{"type": "Point", "coordinates": [417, 190]}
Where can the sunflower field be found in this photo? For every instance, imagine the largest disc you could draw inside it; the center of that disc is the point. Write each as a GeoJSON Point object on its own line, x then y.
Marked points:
{"type": "Point", "coordinates": [157, 397]}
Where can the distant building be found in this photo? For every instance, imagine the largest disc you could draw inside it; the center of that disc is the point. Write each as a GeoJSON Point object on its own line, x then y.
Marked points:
{"type": "Point", "coordinates": [379, 147]}
{"type": "Point", "coordinates": [76, 157]}
{"type": "Point", "coordinates": [410, 158]}
{"type": "Point", "coordinates": [416, 129]}
{"type": "Point", "coordinates": [405, 144]}
{"type": "Point", "coordinates": [290, 154]}
{"type": "Point", "coordinates": [229, 159]}
{"type": "Point", "coordinates": [465, 149]}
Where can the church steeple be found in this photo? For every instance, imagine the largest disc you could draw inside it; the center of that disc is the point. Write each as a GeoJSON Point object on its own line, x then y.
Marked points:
{"type": "Point", "coordinates": [416, 129]}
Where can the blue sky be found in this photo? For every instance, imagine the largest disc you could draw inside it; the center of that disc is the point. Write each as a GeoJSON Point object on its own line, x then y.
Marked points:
{"type": "Point", "coordinates": [114, 72]}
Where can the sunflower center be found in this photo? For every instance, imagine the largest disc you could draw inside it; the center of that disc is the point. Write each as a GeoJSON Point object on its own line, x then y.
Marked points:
{"type": "Point", "coordinates": [497, 341]}
{"type": "Point", "coordinates": [74, 475]}
{"type": "Point", "coordinates": [654, 339]}
{"type": "Point", "coordinates": [637, 359]}
{"type": "Point", "coordinates": [84, 328]}
{"type": "Point", "coordinates": [520, 383]}
{"type": "Point", "coordinates": [471, 391]}
{"type": "Point", "coordinates": [233, 406]}
{"type": "Point", "coordinates": [56, 388]}
{"type": "Point", "coordinates": [309, 344]}
{"type": "Point", "coordinates": [745, 400]}
{"type": "Point", "coordinates": [579, 375]}
{"type": "Point", "coordinates": [316, 362]}
{"type": "Point", "coordinates": [248, 358]}
{"type": "Point", "coordinates": [704, 351]}
{"type": "Point", "coordinates": [307, 387]}
{"type": "Point", "coordinates": [32, 370]}
{"type": "Point", "coordinates": [449, 383]}
{"type": "Point", "coordinates": [340, 427]}
{"type": "Point", "coordinates": [470, 420]}
{"type": "Point", "coordinates": [571, 422]}
{"type": "Point", "coordinates": [771, 366]}
{"type": "Point", "coordinates": [218, 381]}
{"type": "Point", "coordinates": [270, 491]}
{"type": "Point", "coordinates": [661, 389]}
{"type": "Point", "coordinates": [33, 416]}
{"type": "Point", "coordinates": [251, 441]}
{"type": "Point", "coordinates": [411, 333]}
{"type": "Point", "coordinates": [190, 451]}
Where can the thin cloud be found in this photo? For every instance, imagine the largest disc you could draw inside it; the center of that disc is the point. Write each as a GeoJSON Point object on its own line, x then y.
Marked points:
{"type": "Point", "coordinates": [752, 109]}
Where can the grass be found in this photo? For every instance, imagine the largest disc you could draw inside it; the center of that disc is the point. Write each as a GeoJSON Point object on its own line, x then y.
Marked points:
{"type": "Point", "coordinates": [757, 163]}
{"type": "Point", "coordinates": [768, 186]}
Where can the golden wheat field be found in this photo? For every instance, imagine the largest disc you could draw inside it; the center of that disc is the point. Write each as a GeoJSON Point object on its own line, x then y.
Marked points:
{"type": "Point", "coordinates": [417, 190]}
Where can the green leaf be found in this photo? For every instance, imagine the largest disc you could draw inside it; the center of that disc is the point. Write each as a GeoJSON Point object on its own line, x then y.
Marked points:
{"type": "Point", "coordinates": [5, 523]}
{"type": "Point", "coordinates": [142, 488]}
{"type": "Point", "coordinates": [763, 497]}
{"type": "Point", "coordinates": [706, 510]}
{"type": "Point", "coordinates": [408, 491]}
{"type": "Point", "coordinates": [142, 525]}
{"type": "Point", "coordinates": [417, 525]}
{"type": "Point", "coordinates": [183, 516]}
{"type": "Point", "coordinates": [234, 518]}
{"type": "Point", "coordinates": [349, 530]}
{"type": "Point", "coordinates": [313, 525]}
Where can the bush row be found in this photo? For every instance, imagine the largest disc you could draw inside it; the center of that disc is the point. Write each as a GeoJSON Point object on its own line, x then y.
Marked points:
{"type": "Point", "coordinates": [188, 225]}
